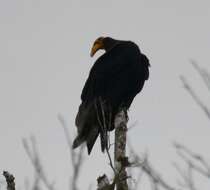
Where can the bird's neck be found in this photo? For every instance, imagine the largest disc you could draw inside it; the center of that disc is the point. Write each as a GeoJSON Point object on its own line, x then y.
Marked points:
{"type": "Point", "coordinates": [109, 43]}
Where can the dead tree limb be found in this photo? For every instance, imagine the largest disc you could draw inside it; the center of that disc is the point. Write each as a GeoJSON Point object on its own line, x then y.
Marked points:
{"type": "Point", "coordinates": [120, 150]}
{"type": "Point", "coordinates": [195, 161]}
{"type": "Point", "coordinates": [155, 178]}
{"type": "Point", "coordinates": [10, 179]}
{"type": "Point", "coordinates": [104, 184]}
{"type": "Point", "coordinates": [120, 159]}
{"type": "Point", "coordinates": [77, 159]}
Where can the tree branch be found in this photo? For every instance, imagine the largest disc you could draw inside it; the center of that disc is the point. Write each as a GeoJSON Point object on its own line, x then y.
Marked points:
{"type": "Point", "coordinates": [205, 76]}
{"type": "Point", "coordinates": [190, 90]}
{"type": "Point", "coordinates": [35, 160]}
{"type": "Point", "coordinates": [120, 150]}
{"type": "Point", "coordinates": [10, 179]}
{"type": "Point", "coordinates": [154, 177]}
{"type": "Point", "coordinates": [77, 159]}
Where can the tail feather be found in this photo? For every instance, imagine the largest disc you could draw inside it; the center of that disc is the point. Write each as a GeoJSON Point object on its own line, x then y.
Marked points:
{"type": "Point", "coordinates": [89, 124]}
{"type": "Point", "coordinates": [103, 137]}
{"type": "Point", "coordinates": [78, 141]}
{"type": "Point", "coordinates": [103, 142]}
{"type": "Point", "coordinates": [92, 139]}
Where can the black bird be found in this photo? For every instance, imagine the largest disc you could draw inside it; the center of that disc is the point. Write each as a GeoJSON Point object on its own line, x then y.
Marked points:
{"type": "Point", "coordinates": [113, 82]}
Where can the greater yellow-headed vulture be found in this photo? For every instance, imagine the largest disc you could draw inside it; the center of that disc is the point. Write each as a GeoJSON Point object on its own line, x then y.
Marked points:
{"type": "Point", "coordinates": [114, 80]}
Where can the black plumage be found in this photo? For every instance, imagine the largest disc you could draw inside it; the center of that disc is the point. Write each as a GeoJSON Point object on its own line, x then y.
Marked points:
{"type": "Point", "coordinates": [114, 80]}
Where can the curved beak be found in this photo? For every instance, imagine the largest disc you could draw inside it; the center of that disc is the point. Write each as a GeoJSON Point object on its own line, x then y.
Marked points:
{"type": "Point", "coordinates": [95, 48]}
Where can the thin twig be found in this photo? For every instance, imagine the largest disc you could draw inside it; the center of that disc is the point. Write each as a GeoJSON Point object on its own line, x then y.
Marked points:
{"type": "Point", "coordinates": [204, 74]}
{"type": "Point", "coordinates": [76, 159]}
{"type": "Point", "coordinates": [35, 160]}
{"type": "Point", "coordinates": [107, 147]}
{"type": "Point", "coordinates": [195, 96]}
{"type": "Point", "coordinates": [153, 175]}
{"type": "Point", "coordinates": [194, 160]}
{"type": "Point", "coordinates": [110, 161]}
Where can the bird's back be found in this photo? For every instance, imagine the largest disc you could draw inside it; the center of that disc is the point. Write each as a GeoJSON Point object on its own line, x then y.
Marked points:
{"type": "Point", "coordinates": [114, 80]}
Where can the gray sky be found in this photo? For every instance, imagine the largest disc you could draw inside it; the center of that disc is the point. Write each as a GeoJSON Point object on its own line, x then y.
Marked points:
{"type": "Point", "coordinates": [44, 62]}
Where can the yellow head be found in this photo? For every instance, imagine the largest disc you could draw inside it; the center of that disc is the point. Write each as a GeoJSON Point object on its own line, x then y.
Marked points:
{"type": "Point", "coordinates": [97, 45]}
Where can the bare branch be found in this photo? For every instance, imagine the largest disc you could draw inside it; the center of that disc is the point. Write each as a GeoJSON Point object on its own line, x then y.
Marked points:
{"type": "Point", "coordinates": [187, 177]}
{"type": "Point", "coordinates": [190, 90]}
{"type": "Point", "coordinates": [35, 160]}
{"type": "Point", "coordinates": [67, 135]}
{"type": "Point", "coordinates": [120, 175]}
{"type": "Point", "coordinates": [155, 178]}
{"type": "Point", "coordinates": [10, 179]}
{"type": "Point", "coordinates": [154, 184]}
{"type": "Point", "coordinates": [110, 161]}
{"type": "Point", "coordinates": [204, 74]}
{"type": "Point", "coordinates": [190, 177]}
{"type": "Point", "coordinates": [105, 128]}
{"type": "Point", "coordinates": [77, 159]}
{"type": "Point", "coordinates": [104, 184]}
{"type": "Point", "coordinates": [181, 172]}
{"type": "Point", "coordinates": [193, 160]}
{"type": "Point", "coordinates": [120, 150]}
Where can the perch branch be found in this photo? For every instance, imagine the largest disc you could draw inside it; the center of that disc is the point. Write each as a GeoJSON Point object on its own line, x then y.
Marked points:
{"type": "Point", "coordinates": [120, 150]}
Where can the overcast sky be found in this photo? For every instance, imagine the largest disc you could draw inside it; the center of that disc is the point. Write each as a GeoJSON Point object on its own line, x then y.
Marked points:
{"type": "Point", "coordinates": [44, 62]}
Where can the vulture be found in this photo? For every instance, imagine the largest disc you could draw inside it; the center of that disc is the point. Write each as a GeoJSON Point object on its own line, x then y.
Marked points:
{"type": "Point", "coordinates": [114, 80]}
